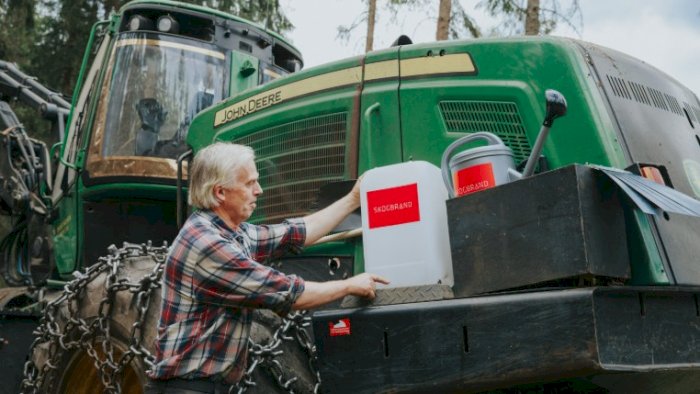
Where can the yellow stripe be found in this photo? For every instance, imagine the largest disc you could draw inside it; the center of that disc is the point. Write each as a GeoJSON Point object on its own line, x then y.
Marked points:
{"type": "Point", "coordinates": [168, 44]}
{"type": "Point", "coordinates": [271, 97]}
{"type": "Point", "coordinates": [447, 64]}
{"type": "Point", "coordinates": [433, 65]}
{"type": "Point", "coordinates": [382, 70]}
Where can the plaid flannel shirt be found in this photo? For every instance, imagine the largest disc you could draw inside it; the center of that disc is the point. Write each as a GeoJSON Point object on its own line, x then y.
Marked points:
{"type": "Point", "coordinates": [211, 281]}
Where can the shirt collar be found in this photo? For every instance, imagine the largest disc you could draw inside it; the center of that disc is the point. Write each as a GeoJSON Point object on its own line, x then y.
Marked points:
{"type": "Point", "coordinates": [211, 216]}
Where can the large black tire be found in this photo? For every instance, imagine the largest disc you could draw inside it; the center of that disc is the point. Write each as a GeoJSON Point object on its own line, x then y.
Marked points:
{"type": "Point", "coordinates": [89, 334]}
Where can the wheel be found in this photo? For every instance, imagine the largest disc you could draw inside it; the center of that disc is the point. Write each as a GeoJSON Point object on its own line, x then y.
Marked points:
{"type": "Point", "coordinates": [98, 334]}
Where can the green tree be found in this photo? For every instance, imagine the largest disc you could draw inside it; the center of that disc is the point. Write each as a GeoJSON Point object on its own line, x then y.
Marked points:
{"type": "Point", "coordinates": [16, 29]}
{"type": "Point", "coordinates": [528, 17]}
{"type": "Point", "coordinates": [268, 13]}
{"type": "Point", "coordinates": [392, 7]}
{"type": "Point", "coordinates": [454, 22]}
{"type": "Point", "coordinates": [60, 45]}
{"type": "Point", "coordinates": [532, 17]}
{"type": "Point", "coordinates": [371, 20]}
{"type": "Point", "coordinates": [443, 22]}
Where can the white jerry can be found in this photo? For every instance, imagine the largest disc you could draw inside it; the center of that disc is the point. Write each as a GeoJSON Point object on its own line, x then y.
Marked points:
{"type": "Point", "coordinates": [404, 224]}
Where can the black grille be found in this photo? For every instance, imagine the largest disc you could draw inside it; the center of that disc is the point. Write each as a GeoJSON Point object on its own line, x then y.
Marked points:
{"type": "Point", "coordinates": [619, 87]}
{"type": "Point", "coordinates": [646, 95]}
{"type": "Point", "coordinates": [294, 160]}
{"type": "Point", "coordinates": [658, 98]}
{"type": "Point", "coordinates": [673, 103]}
{"type": "Point", "coordinates": [640, 93]}
{"type": "Point", "coordinates": [500, 118]}
{"type": "Point", "coordinates": [690, 111]}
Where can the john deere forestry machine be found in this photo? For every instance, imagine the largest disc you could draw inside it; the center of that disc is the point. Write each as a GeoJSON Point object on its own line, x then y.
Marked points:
{"type": "Point", "coordinates": [562, 281]}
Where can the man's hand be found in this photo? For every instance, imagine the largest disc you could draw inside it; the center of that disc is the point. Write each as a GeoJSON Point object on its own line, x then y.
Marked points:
{"type": "Point", "coordinates": [363, 285]}
{"type": "Point", "coordinates": [322, 222]}
{"type": "Point", "coordinates": [320, 293]}
{"type": "Point", "coordinates": [354, 194]}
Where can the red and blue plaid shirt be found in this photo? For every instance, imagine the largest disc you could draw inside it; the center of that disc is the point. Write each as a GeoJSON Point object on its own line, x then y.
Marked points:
{"type": "Point", "coordinates": [211, 282]}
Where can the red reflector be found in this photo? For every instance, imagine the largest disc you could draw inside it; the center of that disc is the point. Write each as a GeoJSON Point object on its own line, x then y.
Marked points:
{"type": "Point", "coordinates": [339, 327]}
{"type": "Point", "coordinates": [653, 174]}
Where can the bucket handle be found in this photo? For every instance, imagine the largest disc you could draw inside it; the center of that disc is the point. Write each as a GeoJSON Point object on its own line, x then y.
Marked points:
{"type": "Point", "coordinates": [491, 138]}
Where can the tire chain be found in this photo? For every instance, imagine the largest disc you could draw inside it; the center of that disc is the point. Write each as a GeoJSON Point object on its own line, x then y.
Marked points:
{"type": "Point", "coordinates": [78, 333]}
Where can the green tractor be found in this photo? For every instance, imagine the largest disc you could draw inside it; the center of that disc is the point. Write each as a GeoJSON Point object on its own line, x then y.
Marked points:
{"type": "Point", "coordinates": [167, 79]}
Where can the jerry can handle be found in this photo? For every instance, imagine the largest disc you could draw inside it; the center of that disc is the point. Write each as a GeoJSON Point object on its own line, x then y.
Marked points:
{"type": "Point", "coordinates": [491, 138]}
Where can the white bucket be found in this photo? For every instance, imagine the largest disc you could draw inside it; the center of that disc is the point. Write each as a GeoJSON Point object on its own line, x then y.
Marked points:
{"type": "Point", "coordinates": [404, 224]}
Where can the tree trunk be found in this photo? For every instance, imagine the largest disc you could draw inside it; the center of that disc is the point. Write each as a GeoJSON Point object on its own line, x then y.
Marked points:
{"type": "Point", "coordinates": [371, 13]}
{"type": "Point", "coordinates": [111, 5]}
{"type": "Point", "coordinates": [443, 23]}
{"type": "Point", "coordinates": [532, 18]}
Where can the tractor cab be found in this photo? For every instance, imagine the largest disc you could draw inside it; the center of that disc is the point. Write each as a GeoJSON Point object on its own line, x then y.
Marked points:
{"type": "Point", "coordinates": [165, 65]}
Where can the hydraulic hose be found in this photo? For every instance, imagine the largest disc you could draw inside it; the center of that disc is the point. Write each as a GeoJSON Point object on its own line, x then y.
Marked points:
{"type": "Point", "coordinates": [14, 256]}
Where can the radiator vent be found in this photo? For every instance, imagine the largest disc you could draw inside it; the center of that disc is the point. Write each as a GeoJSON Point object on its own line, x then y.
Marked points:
{"type": "Point", "coordinates": [673, 103]}
{"type": "Point", "coordinates": [500, 118]}
{"type": "Point", "coordinates": [658, 99]}
{"type": "Point", "coordinates": [619, 87]}
{"type": "Point", "coordinates": [640, 93]}
{"type": "Point", "coordinates": [652, 97]}
{"type": "Point", "coordinates": [692, 112]}
{"type": "Point", "coordinates": [294, 160]}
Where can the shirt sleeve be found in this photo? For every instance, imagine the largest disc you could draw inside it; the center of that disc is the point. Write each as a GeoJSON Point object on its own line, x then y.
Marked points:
{"type": "Point", "coordinates": [272, 241]}
{"type": "Point", "coordinates": [226, 276]}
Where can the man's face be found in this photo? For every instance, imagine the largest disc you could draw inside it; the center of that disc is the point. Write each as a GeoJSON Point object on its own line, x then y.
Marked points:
{"type": "Point", "coordinates": [238, 202]}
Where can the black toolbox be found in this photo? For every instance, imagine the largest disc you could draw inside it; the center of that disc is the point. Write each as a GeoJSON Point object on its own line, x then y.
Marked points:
{"type": "Point", "coordinates": [562, 224]}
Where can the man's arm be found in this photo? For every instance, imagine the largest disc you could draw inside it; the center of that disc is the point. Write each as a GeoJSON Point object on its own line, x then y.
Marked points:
{"type": "Point", "coordinates": [322, 222]}
{"type": "Point", "coordinates": [320, 293]}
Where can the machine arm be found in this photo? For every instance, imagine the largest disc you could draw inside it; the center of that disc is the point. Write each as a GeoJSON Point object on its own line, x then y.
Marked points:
{"type": "Point", "coordinates": [16, 84]}
{"type": "Point", "coordinates": [25, 174]}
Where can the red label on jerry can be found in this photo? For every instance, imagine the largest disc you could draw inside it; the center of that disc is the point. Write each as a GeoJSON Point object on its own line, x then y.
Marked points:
{"type": "Point", "coordinates": [474, 178]}
{"type": "Point", "coordinates": [392, 206]}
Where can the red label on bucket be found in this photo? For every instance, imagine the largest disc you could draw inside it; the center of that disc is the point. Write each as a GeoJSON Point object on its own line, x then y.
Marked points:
{"type": "Point", "coordinates": [474, 178]}
{"type": "Point", "coordinates": [392, 206]}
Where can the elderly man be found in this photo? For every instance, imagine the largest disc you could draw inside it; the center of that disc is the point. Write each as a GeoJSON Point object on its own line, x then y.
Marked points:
{"type": "Point", "coordinates": [213, 278]}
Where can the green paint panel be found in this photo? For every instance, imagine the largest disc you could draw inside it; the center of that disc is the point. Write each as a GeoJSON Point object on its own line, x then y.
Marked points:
{"type": "Point", "coordinates": [506, 97]}
{"type": "Point", "coordinates": [380, 124]}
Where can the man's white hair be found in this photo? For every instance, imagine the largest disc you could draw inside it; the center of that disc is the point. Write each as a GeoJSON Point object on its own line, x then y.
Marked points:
{"type": "Point", "coordinates": [216, 165]}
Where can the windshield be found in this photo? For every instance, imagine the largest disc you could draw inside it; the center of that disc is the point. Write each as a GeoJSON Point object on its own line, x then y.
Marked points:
{"type": "Point", "coordinates": [156, 89]}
